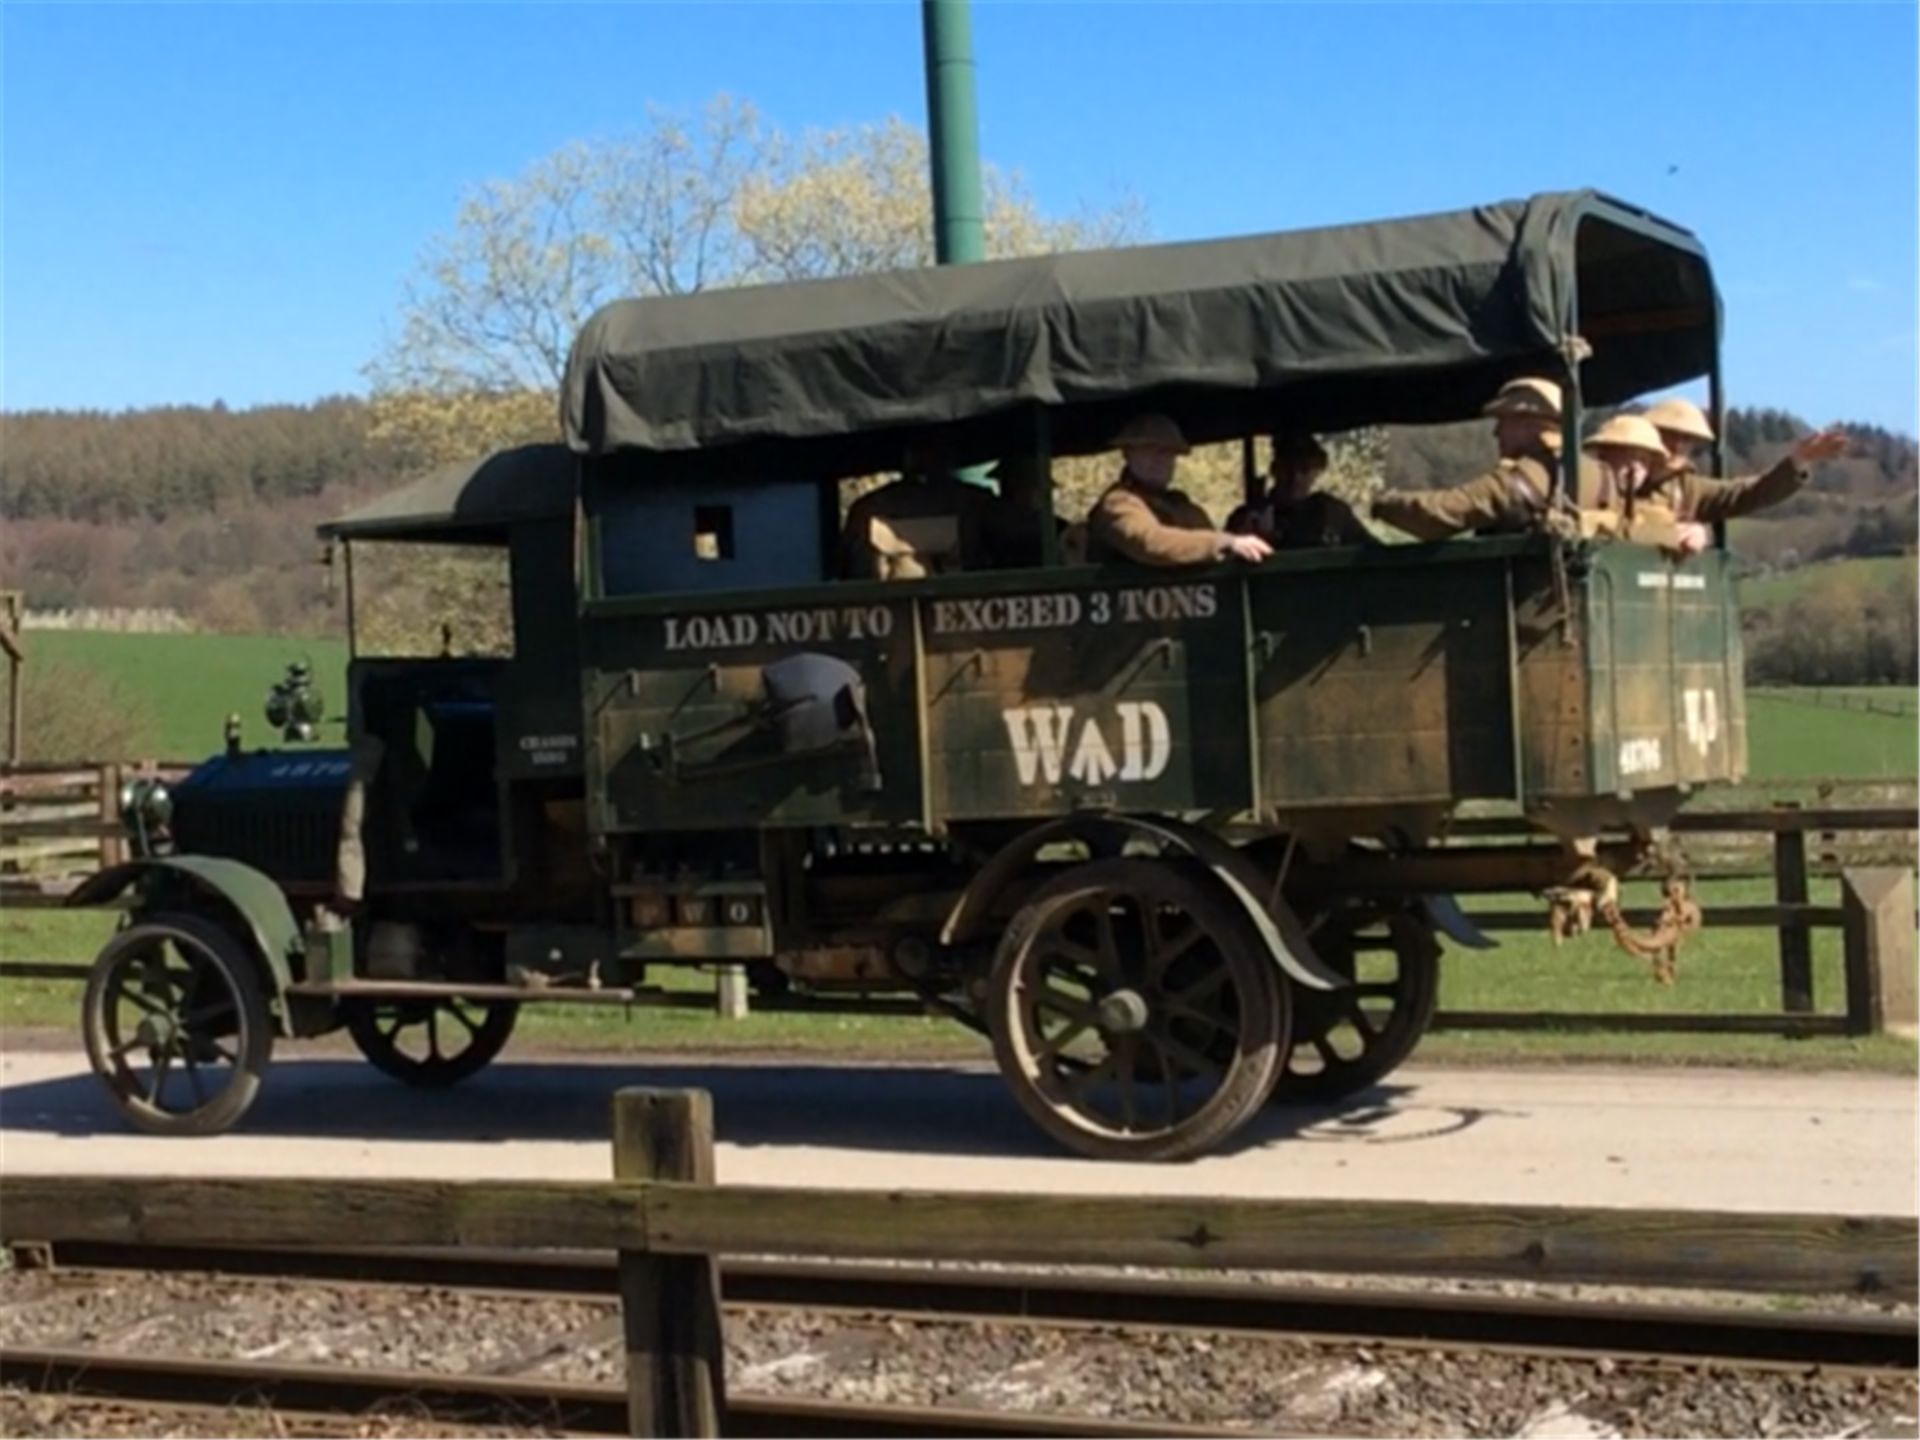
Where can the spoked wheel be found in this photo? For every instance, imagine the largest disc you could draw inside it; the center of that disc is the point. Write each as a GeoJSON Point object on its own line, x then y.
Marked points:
{"type": "Point", "coordinates": [1134, 1011]}
{"type": "Point", "coordinates": [1345, 1040]}
{"type": "Point", "coordinates": [431, 1043]}
{"type": "Point", "coordinates": [176, 1025]}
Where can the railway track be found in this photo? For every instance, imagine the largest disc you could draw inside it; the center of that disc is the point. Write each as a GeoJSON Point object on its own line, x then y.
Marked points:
{"type": "Point", "coordinates": [334, 1392]}
{"type": "Point", "coordinates": [1031, 1297]}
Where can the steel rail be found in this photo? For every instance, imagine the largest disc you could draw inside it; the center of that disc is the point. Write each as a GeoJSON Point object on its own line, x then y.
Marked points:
{"type": "Point", "coordinates": [1581, 1328]}
{"type": "Point", "coordinates": [489, 1400]}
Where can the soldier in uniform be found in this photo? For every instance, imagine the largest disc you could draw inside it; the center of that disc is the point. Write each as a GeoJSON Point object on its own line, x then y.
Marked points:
{"type": "Point", "coordinates": [1628, 452]}
{"type": "Point", "coordinates": [1291, 515]}
{"type": "Point", "coordinates": [1516, 493]}
{"type": "Point", "coordinates": [928, 522]}
{"type": "Point", "coordinates": [1142, 518]}
{"type": "Point", "coordinates": [1698, 501]}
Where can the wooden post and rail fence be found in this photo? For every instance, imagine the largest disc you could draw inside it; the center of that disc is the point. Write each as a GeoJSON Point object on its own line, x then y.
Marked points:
{"type": "Point", "coordinates": [59, 823]}
{"type": "Point", "coordinates": [63, 821]}
{"type": "Point", "coordinates": [670, 1225]}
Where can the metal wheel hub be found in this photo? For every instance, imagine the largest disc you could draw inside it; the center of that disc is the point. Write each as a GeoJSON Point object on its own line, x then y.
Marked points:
{"type": "Point", "coordinates": [1124, 1012]}
{"type": "Point", "coordinates": [156, 1032]}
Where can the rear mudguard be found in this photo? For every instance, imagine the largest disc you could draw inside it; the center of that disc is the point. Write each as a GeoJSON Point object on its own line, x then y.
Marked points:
{"type": "Point", "coordinates": [256, 904]}
{"type": "Point", "coordinates": [1279, 928]}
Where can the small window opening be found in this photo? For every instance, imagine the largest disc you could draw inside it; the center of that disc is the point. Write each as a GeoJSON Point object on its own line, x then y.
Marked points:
{"type": "Point", "coordinates": [713, 532]}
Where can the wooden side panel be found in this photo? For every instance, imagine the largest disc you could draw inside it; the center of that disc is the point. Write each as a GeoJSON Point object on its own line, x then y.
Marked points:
{"type": "Point", "coordinates": [1383, 687]}
{"type": "Point", "coordinates": [1129, 697]}
{"type": "Point", "coordinates": [1552, 641]}
{"type": "Point", "coordinates": [687, 734]}
{"type": "Point", "coordinates": [1665, 665]}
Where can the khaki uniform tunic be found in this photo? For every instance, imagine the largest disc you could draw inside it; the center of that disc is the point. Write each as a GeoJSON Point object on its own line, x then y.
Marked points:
{"type": "Point", "coordinates": [1701, 498]}
{"type": "Point", "coordinates": [1512, 496]}
{"type": "Point", "coordinates": [1150, 527]}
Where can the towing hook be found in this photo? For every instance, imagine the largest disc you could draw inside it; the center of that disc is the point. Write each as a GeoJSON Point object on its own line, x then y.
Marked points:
{"type": "Point", "coordinates": [1595, 893]}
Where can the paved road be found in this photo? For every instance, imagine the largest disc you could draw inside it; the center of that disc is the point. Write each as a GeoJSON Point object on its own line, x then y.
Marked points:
{"type": "Point", "coordinates": [1716, 1139]}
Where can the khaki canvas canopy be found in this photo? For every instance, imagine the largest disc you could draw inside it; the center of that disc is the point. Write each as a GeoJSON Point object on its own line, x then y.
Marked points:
{"type": "Point", "coordinates": [472, 501]}
{"type": "Point", "coordinates": [1408, 321]}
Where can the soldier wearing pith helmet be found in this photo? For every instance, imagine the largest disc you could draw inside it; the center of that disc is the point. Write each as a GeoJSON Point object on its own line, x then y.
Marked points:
{"type": "Point", "coordinates": [1699, 501]}
{"type": "Point", "coordinates": [1629, 451]}
{"type": "Point", "coordinates": [1516, 493]}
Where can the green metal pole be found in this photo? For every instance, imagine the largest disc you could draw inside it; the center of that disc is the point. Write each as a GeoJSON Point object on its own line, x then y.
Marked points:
{"type": "Point", "coordinates": [953, 128]}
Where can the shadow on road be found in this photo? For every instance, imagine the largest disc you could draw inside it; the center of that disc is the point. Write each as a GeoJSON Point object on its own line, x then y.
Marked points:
{"type": "Point", "coordinates": [902, 1108]}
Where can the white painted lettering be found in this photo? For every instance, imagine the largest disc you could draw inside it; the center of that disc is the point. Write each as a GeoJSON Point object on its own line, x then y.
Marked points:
{"type": "Point", "coordinates": [1703, 718]}
{"type": "Point", "coordinates": [1039, 738]}
{"type": "Point", "coordinates": [1146, 740]}
{"type": "Point", "coordinates": [1640, 757]}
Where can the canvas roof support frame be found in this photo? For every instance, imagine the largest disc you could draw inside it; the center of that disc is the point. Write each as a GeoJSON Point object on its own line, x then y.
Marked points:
{"type": "Point", "coordinates": [1405, 321]}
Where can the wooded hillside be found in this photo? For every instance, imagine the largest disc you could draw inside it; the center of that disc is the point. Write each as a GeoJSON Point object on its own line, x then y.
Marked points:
{"type": "Point", "coordinates": [210, 512]}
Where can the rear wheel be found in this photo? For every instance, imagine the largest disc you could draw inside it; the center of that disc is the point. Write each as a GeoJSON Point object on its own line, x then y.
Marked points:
{"type": "Point", "coordinates": [433, 1043]}
{"type": "Point", "coordinates": [177, 1026]}
{"type": "Point", "coordinates": [1135, 1012]}
{"type": "Point", "coordinates": [1347, 1039]}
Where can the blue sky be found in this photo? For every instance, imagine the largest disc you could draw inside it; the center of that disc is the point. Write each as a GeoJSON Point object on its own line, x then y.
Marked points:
{"type": "Point", "coordinates": [210, 202]}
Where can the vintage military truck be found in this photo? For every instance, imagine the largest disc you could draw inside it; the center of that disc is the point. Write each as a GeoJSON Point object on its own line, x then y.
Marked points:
{"type": "Point", "coordinates": [1172, 839]}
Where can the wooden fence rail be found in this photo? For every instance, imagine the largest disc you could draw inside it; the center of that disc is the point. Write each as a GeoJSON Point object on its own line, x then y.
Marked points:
{"type": "Point", "coordinates": [1875, 917]}
{"type": "Point", "coordinates": [670, 1224]}
{"type": "Point", "coordinates": [58, 821]}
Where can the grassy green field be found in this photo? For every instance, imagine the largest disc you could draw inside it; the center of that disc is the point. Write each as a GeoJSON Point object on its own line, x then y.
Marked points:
{"type": "Point", "coordinates": [1721, 971]}
{"type": "Point", "coordinates": [1871, 572]}
{"type": "Point", "coordinates": [1806, 732]}
{"type": "Point", "coordinates": [185, 686]}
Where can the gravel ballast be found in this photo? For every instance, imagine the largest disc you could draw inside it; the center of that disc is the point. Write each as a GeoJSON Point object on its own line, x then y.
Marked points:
{"type": "Point", "coordinates": [1265, 1384]}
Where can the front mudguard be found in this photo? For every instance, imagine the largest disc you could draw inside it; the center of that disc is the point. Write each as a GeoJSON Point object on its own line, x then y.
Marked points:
{"type": "Point", "coordinates": [254, 906]}
{"type": "Point", "coordinates": [1279, 928]}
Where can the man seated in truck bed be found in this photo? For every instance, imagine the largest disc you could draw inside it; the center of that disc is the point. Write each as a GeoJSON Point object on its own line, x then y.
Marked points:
{"type": "Point", "coordinates": [1142, 518]}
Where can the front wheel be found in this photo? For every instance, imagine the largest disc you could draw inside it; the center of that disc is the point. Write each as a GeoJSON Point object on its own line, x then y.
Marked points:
{"type": "Point", "coordinates": [177, 1026]}
{"type": "Point", "coordinates": [431, 1044]}
{"type": "Point", "coordinates": [1135, 1012]}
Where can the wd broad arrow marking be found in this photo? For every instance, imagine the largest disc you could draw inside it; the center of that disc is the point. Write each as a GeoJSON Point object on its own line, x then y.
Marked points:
{"type": "Point", "coordinates": [1047, 742]}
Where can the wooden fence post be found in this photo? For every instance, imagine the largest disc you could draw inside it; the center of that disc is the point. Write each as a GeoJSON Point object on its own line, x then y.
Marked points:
{"type": "Point", "coordinates": [1796, 940]}
{"type": "Point", "coordinates": [1877, 924]}
{"type": "Point", "coordinates": [730, 992]}
{"type": "Point", "coordinates": [112, 847]}
{"type": "Point", "coordinates": [669, 1304]}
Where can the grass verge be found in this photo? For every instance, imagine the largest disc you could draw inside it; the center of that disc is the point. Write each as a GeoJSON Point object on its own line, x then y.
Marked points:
{"type": "Point", "coordinates": [1722, 971]}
